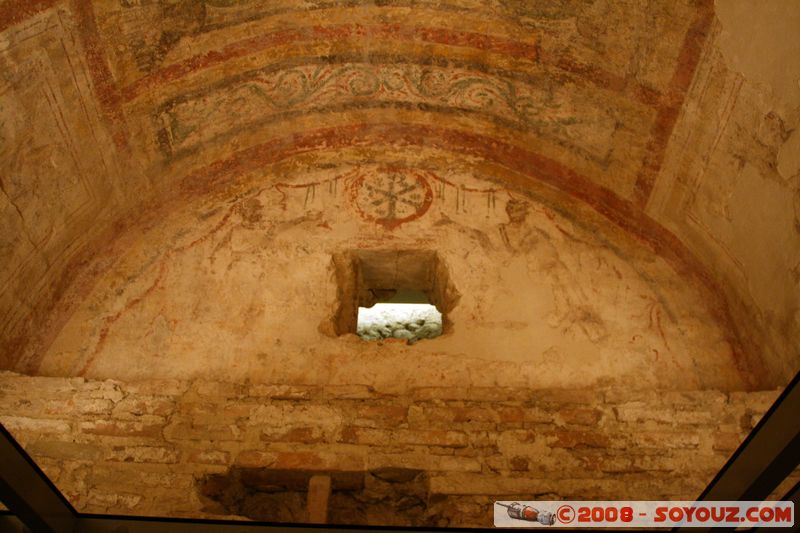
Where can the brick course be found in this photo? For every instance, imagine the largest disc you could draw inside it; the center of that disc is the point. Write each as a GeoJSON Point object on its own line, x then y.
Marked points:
{"type": "Point", "coordinates": [140, 448]}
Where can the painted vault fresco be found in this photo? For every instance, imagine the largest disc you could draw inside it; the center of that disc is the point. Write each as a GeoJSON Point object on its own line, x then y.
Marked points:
{"type": "Point", "coordinates": [270, 246]}
{"type": "Point", "coordinates": [198, 94]}
{"type": "Point", "coordinates": [48, 183]}
{"type": "Point", "coordinates": [552, 78]}
{"type": "Point", "coordinates": [564, 112]}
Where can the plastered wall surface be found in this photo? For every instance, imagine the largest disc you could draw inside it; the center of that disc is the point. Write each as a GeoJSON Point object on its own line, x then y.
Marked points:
{"type": "Point", "coordinates": [544, 301]}
{"type": "Point", "coordinates": [152, 96]}
{"type": "Point", "coordinates": [60, 183]}
{"type": "Point", "coordinates": [730, 185]}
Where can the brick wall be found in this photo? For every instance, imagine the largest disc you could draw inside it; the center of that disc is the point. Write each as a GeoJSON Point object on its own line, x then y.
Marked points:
{"type": "Point", "coordinates": [146, 448]}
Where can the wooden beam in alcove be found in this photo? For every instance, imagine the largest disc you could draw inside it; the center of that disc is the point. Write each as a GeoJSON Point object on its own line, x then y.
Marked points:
{"type": "Point", "coordinates": [319, 492]}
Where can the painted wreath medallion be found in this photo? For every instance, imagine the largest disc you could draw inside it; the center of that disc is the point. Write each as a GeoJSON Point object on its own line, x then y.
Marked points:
{"type": "Point", "coordinates": [392, 197]}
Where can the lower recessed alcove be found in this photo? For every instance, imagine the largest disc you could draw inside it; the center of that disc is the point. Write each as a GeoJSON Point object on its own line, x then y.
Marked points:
{"type": "Point", "coordinates": [390, 496]}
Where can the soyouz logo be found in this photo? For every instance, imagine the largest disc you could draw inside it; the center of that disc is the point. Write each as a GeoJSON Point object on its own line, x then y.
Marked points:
{"type": "Point", "coordinates": [620, 514]}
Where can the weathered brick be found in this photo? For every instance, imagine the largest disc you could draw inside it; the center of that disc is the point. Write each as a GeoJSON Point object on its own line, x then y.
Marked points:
{"type": "Point", "coordinates": [214, 414]}
{"type": "Point", "coordinates": [423, 461]}
{"type": "Point", "coordinates": [61, 407]}
{"type": "Point", "coordinates": [469, 483]}
{"type": "Point", "coordinates": [628, 395]}
{"type": "Point", "coordinates": [518, 463]}
{"type": "Point", "coordinates": [380, 415]}
{"type": "Point", "coordinates": [536, 437]}
{"type": "Point", "coordinates": [380, 437]}
{"type": "Point", "coordinates": [131, 407]}
{"type": "Point", "coordinates": [106, 390]}
{"type": "Point", "coordinates": [181, 504]}
{"type": "Point", "coordinates": [583, 416]}
{"type": "Point", "coordinates": [36, 407]}
{"type": "Point", "coordinates": [126, 476]}
{"type": "Point", "coordinates": [123, 428]}
{"type": "Point", "coordinates": [757, 401]}
{"type": "Point", "coordinates": [142, 454]}
{"type": "Point", "coordinates": [95, 406]}
{"type": "Point", "coordinates": [211, 457]}
{"type": "Point", "coordinates": [566, 396]}
{"type": "Point", "coordinates": [676, 461]}
{"type": "Point", "coordinates": [74, 451]}
{"type": "Point", "coordinates": [439, 417]}
{"type": "Point", "coordinates": [156, 387]}
{"type": "Point", "coordinates": [286, 414]}
{"type": "Point", "coordinates": [512, 415]}
{"type": "Point", "coordinates": [699, 399]}
{"type": "Point", "coordinates": [300, 460]}
{"type": "Point", "coordinates": [495, 464]}
{"type": "Point", "coordinates": [524, 414]}
{"type": "Point", "coordinates": [639, 412]}
{"type": "Point", "coordinates": [352, 392]}
{"type": "Point", "coordinates": [577, 439]}
{"type": "Point", "coordinates": [14, 384]}
{"type": "Point", "coordinates": [183, 430]}
{"type": "Point", "coordinates": [612, 464]}
{"type": "Point", "coordinates": [50, 467]}
{"type": "Point", "coordinates": [748, 421]}
{"type": "Point", "coordinates": [524, 436]}
{"type": "Point", "coordinates": [482, 439]}
{"type": "Point", "coordinates": [318, 460]}
{"type": "Point", "coordinates": [217, 389]}
{"type": "Point", "coordinates": [474, 414]}
{"type": "Point", "coordinates": [438, 450]}
{"type": "Point", "coordinates": [306, 435]}
{"type": "Point", "coordinates": [281, 392]}
{"type": "Point", "coordinates": [35, 425]}
{"type": "Point", "coordinates": [113, 500]}
{"type": "Point", "coordinates": [481, 394]}
{"type": "Point", "coordinates": [665, 439]}
{"type": "Point", "coordinates": [727, 442]}
{"type": "Point", "coordinates": [255, 458]}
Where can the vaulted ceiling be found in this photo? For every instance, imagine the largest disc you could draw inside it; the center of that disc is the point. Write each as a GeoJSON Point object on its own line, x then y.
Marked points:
{"type": "Point", "coordinates": [583, 95]}
{"type": "Point", "coordinates": [576, 99]}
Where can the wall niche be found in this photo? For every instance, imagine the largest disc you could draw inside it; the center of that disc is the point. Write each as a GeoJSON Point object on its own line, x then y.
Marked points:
{"type": "Point", "coordinates": [367, 277]}
{"type": "Point", "coordinates": [386, 496]}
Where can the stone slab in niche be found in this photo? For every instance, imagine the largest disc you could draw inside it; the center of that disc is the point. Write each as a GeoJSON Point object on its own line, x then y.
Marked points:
{"type": "Point", "coordinates": [366, 277]}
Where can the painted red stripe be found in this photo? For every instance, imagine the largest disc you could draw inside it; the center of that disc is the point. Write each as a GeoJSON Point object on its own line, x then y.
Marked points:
{"type": "Point", "coordinates": [667, 116]}
{"type": "Point", "coordinates": [105, 86]}
{"type": "Point", "coordinates": [330, 33]}
{"type": "Point", "coordinates": [15, 11]}
{"type": "Point", "coordinates": [643, 94]}
{"type": "Point", "coordinates": [596, 76]}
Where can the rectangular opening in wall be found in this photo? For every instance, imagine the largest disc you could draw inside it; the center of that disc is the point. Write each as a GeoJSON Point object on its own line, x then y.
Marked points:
{"type": "Point", "coordinates": [401, 294]}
